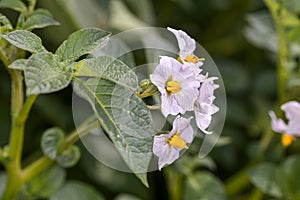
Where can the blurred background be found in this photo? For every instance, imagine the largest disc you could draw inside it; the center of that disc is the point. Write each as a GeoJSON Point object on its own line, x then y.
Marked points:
{"type": "Point", "coordinates": [239, 36]}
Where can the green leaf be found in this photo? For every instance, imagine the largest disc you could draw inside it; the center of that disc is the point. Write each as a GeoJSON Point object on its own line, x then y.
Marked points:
{"type": "Point", "coordinates": [25, 40]}
{"type": "Point", "coordinates": [261, 31]}
{"type": "Point", "coordinates": [51, 138]}
{"type": "Point", "coordinates": [13, 4]}
{"type": "Point", "coordinates": [291, 171]}
{"type": "Point", "coordinates": [109, 68]}
{"type": "Point", "coordinates": [268, 178]}
{"type": "Point", "coordinates": [18, 64]}
{"type": "Point", "coordinates": [289, 19]}
{"type": "Point", "coordinates": [47, 182]}
{"type": "Point", "coordinates": [5, 23]}
{"type": "Point", "coordinates": [69, 157]}
{"type": "Point", "coordinates": [45, 74]}
{"type": "Point", "coordinates": [77, 191]}
{"type": "Point", "coordinates": [82, 42]}
{"type": "Point", "coordinates": [121, 113]}
{"type": "Point", "coordinates": [203, 185]}
{"type": "Point", "coordinates": [39, 19]}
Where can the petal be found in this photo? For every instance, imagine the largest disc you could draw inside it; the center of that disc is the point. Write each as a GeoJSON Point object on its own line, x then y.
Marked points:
{"type": "Point", "coordinates": [169, 157]}
{"type": "Point", "coordinates": [159, 145]}
{"type": "Point", "coordinates": [277, 124]}
{"type": "Point", "coordinates": [203, 121]}
{"type": "Point", "coordinates": [159, 81]}
{"type": "Point", "coordinates": [186, 98]}
{"type": "Point", "coordinates": [195, 67]}
{"type": "Point", "coordinates": [292, 110]}
{"type": "Point", "coordinates": [207, 109]}
{"type": "Point", "coordinates": [293, 128]}
{"type": "Point", "coordinates": [169, 105]}
{"type": "Point", "coordinates": [184, 128]}
{"type": "Point", "coordinates": [186, 44]}
{"type": "Point", "coordinates": [187, 133]}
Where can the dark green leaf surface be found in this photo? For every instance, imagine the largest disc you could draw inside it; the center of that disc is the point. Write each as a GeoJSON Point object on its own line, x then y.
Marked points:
{"type": "Point", "coordinates": [18, 64]}
{"type": "Point", "coordinates": [5, 23]}
{"type": "Point", "coordinates": [268, 178]}
{"type": "Point", "coordinates": [74, 190]}
{"type": "Point", "coordinates": [45, 74]}
{"type": "Point", "coordinates": [69, 157]}
{"type": "Point", "coordinates": [204, 186]}
{"type": "Point", "coordinates": [122, 114]}
{"type": "Point", "coordinates": [47, 182]}
{"type": "Point", "coordinates": [82, 42]}
{"type": "Point", "coordinates": [39, 19]}
{"type": "Point", "coordinates": [26, 40]}
{"type": "Point", "coordinates": [13, 4]}
{"type": "Point", "coordinates": [109, 68]}
{"type": "Point", "coordinates": [50, 141]}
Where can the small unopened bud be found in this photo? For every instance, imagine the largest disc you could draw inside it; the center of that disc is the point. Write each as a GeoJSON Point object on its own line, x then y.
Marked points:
{"type": "Point", "coordinates": [144, 84]}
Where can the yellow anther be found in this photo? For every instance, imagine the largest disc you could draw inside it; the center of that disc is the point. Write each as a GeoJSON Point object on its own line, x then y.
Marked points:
{"type": "Point", "coordinates": [286, 140]}
{"type": "Point", "coordinates": [191, 58]}
{"type": "Point", "coordinates": [176, 141]}
{"type": "Point", "coordinates": [173, 87]}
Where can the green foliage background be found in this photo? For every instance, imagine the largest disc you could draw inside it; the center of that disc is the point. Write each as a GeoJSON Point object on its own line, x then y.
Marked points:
{"type": "Point", "coordinates": [240, 37]}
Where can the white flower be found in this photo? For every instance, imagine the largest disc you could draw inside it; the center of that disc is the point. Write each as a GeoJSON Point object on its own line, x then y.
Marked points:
{"type": "Point", "coordinates": [178, 86]}
{"type": "Point", "coordinates": [187, 46]}
{"type": "Point", "coordinates": [292, 128]}
{"type": "Point", "coordinates": [167, 146]}
{"type": "Point", "coordinates": [204, 107]}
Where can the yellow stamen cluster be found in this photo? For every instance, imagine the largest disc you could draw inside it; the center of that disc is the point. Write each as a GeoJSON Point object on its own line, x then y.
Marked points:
{"type": "Point", "coordinates": [173, 87]}
{"type": "Point", "coordinates": [191, 58]}
{"type": "Point", "coordinates": [176, 141]}
{"type": "Point", "coordinates": [286, 140]}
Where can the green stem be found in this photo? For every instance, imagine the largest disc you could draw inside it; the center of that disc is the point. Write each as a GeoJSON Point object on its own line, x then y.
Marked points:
{"type": "Point", "coordinates": [36, 168]}
{"type": "Point", "coordinates": [31, 6]}
{"type": "Point", "coordinates": [256, 194]}
{"type": "Point", "coordinates": [43, 163]}
{"type": "Point", "coordinates": [4, 60]}
{"type": "Point", "coordinates": [13, 164]}
{"type": "Point", "coordinates": [282, 55]}
{"type": "Point", "coordinates": [17, 133]}
{"type": "Point", "coordinates": [174, 180]}
{"type": "Point", "coordinates": [74, 136]}
{"type": "Point", "coordinates": [238, 182]}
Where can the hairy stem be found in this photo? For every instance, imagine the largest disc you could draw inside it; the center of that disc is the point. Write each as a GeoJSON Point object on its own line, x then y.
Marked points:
{"type": "Point", "coordinates": [282, 55]}
{"type": "Point", "coordinates": [13, 163]}
{"type": "Point", "coordinates": [31, 6]}
{"type": "Point", "coordinates": [75, 135]}
{"type": "Point", "coordinates": [36, 168]}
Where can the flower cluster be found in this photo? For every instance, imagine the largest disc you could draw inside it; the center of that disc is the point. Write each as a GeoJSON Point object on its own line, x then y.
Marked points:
{"type": "Point", "coordinates": [183, 88]}
{"type": "Point", "coordinates": [292, 128]}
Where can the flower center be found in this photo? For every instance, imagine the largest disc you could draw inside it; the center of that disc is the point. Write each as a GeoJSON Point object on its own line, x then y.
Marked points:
{"type": "Point", "coordinates": [286, 140]}
{"type": "Point", "coordinates": [176, 141]}
{"type": "Point", "coordinates": [191, 58]}
{"type": "Point", "coordinates": [173, 87]}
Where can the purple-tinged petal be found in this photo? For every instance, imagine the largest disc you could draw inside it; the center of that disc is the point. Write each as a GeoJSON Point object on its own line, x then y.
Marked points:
{"type": "Point", "coordinates": [186, 44]}
{"type": "Point", "coordinates": [278, 125]}
{"type": "Point", "coordinates": [169, 105]}
{"type": "Point", "coordinates": [205, 108]}
{"type": "Point", "coordinates": [186, 130]}
{"type": "Point", "coordinates": [168, 158]}
{"type": "Point", "coordinates": [163, 148]}
{"type": "Point", "coordinates": [181, 99]}
{"type": "Point", "coordinates": [292, 110]}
